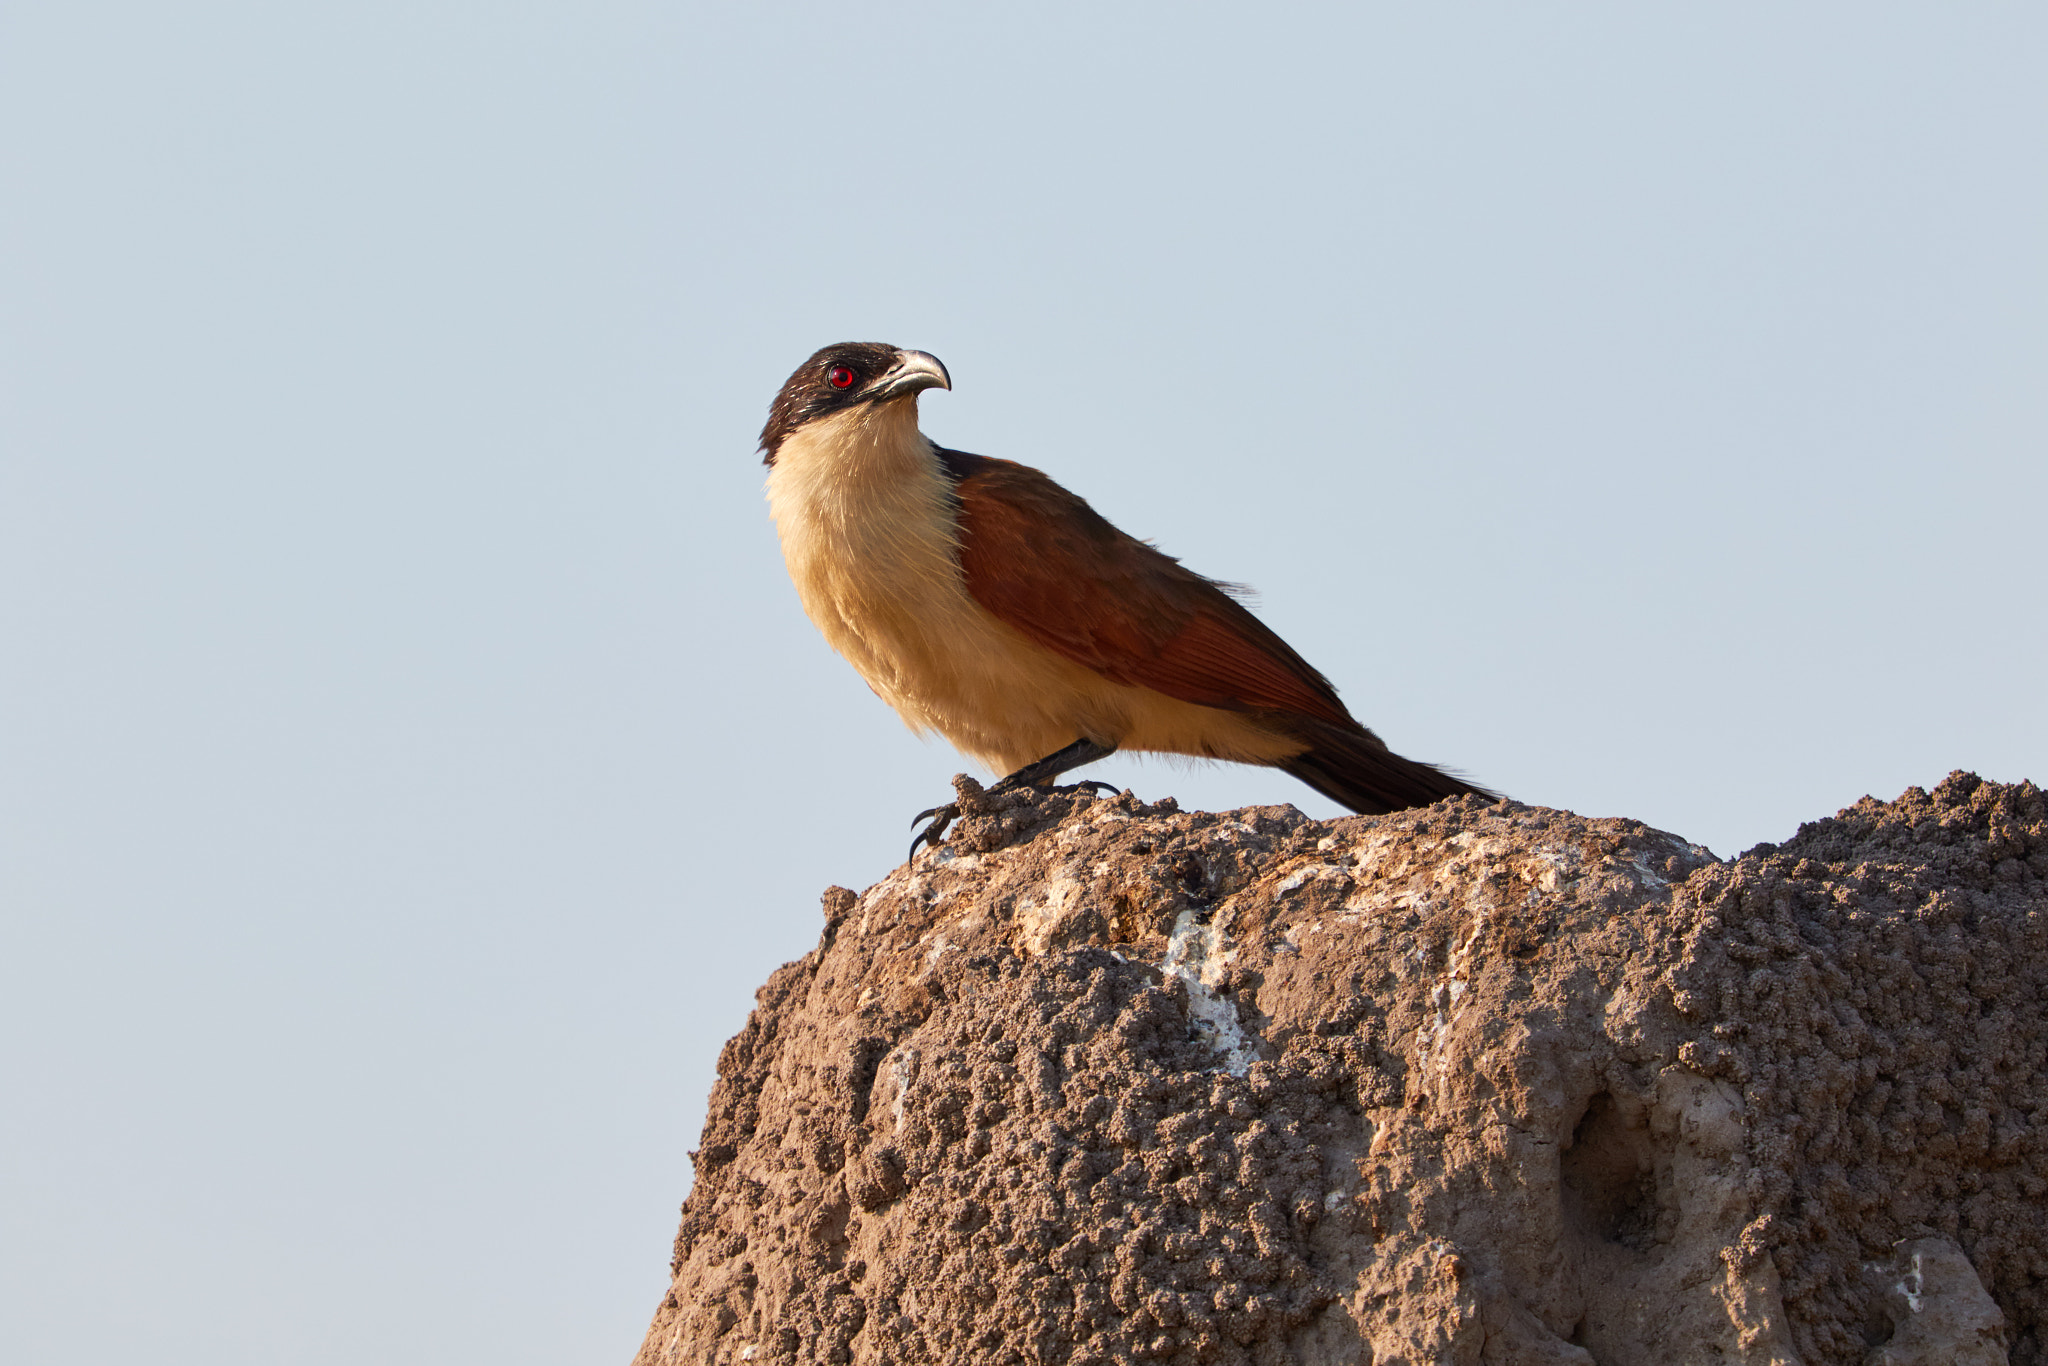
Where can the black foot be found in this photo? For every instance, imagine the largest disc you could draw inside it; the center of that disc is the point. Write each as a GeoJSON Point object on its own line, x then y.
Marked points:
{"type": "Point", "coordinates": [940, 817]}
{"type": "Point", "coordinates": [972, 793]}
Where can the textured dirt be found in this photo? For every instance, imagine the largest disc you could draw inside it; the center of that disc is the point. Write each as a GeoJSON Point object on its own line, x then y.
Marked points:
{"type": "Point", "coordinates": [1104, 1082]}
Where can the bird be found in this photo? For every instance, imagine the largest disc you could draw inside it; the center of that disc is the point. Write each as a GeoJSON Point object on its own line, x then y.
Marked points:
{"type": "Point", "coordinates": [985, 602]}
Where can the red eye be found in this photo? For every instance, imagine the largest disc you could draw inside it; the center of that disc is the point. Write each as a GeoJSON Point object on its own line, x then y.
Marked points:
{"type": "Point", "coordinates": [841, 376]}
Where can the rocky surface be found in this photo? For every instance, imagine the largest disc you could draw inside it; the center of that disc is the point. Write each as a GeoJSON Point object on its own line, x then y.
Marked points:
{"type": "Point", "coordinates": [1102, 1082]}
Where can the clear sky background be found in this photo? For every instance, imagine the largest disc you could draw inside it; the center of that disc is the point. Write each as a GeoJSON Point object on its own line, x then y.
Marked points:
{"type": "Point", "coordinates": [413, 753]}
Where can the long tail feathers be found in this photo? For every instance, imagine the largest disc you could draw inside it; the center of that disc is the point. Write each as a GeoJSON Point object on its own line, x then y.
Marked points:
{"type": "Point", "coordinates": [1357, 769]}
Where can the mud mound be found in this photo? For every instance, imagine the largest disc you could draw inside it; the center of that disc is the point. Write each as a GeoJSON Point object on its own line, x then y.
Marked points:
{"type": "Point", "coordinates": [1104, 1082]}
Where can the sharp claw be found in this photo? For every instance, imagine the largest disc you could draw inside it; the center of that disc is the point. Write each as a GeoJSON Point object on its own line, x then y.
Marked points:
{"type": "Point", "coordinates": [941, 817]}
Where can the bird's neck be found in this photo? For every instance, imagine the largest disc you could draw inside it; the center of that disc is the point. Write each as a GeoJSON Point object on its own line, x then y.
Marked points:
{"type": "Point", "coordinates": [867, 521]}
{"type": "Point", "coordinates": [857, 464]}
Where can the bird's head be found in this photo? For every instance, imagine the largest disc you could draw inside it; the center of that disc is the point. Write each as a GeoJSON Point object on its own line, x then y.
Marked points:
{"type": "Point", "coordinates": [846, 376]}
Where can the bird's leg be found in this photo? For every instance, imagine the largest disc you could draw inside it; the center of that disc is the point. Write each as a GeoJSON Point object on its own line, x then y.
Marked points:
{"type": "Point", "coordinates": [1041, 772]}
{"type": "Point", "coordinates": [1038, 773]}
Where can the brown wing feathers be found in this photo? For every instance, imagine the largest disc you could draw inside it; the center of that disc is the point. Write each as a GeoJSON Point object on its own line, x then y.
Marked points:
{"type": "Point", "coordinates": [1040, 559]}
{"type": "Point", "coordinates": [1113, 604]}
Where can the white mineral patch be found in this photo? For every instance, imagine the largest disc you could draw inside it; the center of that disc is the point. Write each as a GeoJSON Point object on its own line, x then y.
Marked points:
{"type": "Point", "coordinates": [1196, 954]}
{"type": "Point", "coordinates": [1037, 919]}
{"type": "Point", "coordinates": [1429, 1034]}
{"type": "Point", "coordinates": [1314, 872]}
{"type": "Point", "coordinates": [1913, 1285]}
{"type": "Point", "coordinates": [1559, 865]}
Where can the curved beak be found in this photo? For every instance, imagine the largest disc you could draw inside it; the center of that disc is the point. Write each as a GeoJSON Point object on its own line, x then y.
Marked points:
{"type": "Point", "coordinates": [912, 372]}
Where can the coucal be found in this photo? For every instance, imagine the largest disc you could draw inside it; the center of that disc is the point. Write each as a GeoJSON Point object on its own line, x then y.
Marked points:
{"type": "Point", "coordinates": [983, 601]}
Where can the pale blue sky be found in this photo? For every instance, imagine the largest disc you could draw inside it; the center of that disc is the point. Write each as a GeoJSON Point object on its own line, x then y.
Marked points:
{"type": "Point", "coordinates": [413, 754]}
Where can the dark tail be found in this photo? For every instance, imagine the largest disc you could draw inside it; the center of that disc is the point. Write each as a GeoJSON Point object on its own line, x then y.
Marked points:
{"type": "Point", "coordinates": [1356, 768]}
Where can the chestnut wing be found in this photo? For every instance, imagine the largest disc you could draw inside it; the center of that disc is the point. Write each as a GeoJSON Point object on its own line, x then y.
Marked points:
{"type": "Point", "coordinates": [1041, 560]}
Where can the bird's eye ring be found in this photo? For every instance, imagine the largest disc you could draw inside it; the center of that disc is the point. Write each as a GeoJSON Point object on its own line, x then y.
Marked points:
{"type": "Point", "coordinates": [840, 376]}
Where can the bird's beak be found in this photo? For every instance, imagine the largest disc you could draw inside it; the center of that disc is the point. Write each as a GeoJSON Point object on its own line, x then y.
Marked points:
{"type": "Point", "coordinates": [912, 372]}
